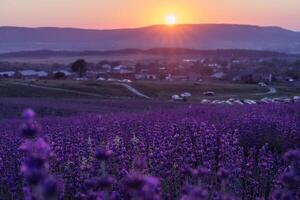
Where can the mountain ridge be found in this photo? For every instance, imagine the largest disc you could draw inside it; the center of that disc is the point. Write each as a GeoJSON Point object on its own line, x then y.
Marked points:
{"type": "Point", "coordinates": [150, 26]}
{"type": "Point", "coordinates": [194, 36]}
{"type": "Point", "coordinates": [154, 51]}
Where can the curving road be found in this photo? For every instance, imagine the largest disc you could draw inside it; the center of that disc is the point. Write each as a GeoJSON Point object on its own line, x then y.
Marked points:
{"type": "Point", "coordinates": [128, 87]}
{"type": "Point", "coordinates": [272, 90]}
{"type": "Point", "coordinates": [134, 91]}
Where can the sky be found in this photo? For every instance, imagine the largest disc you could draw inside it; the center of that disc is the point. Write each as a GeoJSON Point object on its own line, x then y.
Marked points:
{"type": "Point", "coordinates": [112, 14]}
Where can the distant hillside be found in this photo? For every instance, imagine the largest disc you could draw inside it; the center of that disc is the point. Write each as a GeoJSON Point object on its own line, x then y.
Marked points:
{"type": "Point", "coordinates": [154, 51]}
{"type": "Point", "coordinates": [202, 36]}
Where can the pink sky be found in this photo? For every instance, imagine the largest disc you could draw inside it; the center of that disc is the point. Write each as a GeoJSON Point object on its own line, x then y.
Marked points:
{"type": "Point", "coordinates": [106, 14]}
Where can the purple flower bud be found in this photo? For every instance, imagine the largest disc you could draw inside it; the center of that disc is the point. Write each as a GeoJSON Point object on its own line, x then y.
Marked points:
{"type": "Point", "coordinates": [226, 197]}
{"type": "Point", "coordinates": [290, 179]}
{"type": "Point", "coordinates": [92, 196]}
{"type": "Point", "coordinates": [27, 193]}
{"type": "Point", "coordinates": [203, 171]}
{"type": "Point", "coordinates": [277, 195]}
{"type": "Point", "coordinates": [151, 181]}
{"type": "Point", "coordinates": [35, 163]}
{"type": "Point", "coordinates": [103, 155]}
{"type": "Point", "coordinates": [134, 182]}
{"type": "Point", "coordinates": [90, 184]}
{"type": "Point", "coordinates": [52, 189]}
{"type": "Point", "coordinates": [292, 155]}
{"type": "Point", "coordinates": [283, 195]}
{"type": "Point", "coordinates": [105, 182]}
{"type": "Point", "coordinates": [28, 114]}
{"type": "Point", "coordinates": [34, 177]}
{"type": "Point", "coordinates": [139, 164]}
{"type": "Point", "coordinates": [115, 195]}
{"type": "Point", "coordinates": [195, 193]}
{"type": "Point", "coordinates": [30, 130]}
{"type": "Point", "coordinates": [79, 196]}
{"type": "Point", "coordinates": [223, 173]}
{"type": "Point", "coordinates": [194, 172]}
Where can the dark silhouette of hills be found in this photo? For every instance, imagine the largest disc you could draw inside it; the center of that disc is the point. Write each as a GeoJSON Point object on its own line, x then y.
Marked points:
{"type": "Point", "coordinates": [198, 36]}
{"type": "Point", "coordinates": [154, 51]}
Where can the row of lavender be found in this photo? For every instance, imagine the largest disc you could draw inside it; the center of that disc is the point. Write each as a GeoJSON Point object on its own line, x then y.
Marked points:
{"type": "Point", "coordinates": [195, 152]}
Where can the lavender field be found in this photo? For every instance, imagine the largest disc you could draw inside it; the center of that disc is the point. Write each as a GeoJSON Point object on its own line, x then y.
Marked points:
{"type": "Point", "coordinates": [191, 152]}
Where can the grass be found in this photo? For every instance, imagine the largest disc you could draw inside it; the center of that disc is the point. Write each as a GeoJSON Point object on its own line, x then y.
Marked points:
{"type": "Point", "coordinates": [288, 89]}
{"type": "Point", "coordinates": [111, 97]}
{"type": "Point", "coordinates": [13, 88]}
{"type": "Point", "coordinates": [164, 90]}
{"type": "Point", "coordinates": [8, 89]}
{"type": "Point", "coordinates": [156, 90]}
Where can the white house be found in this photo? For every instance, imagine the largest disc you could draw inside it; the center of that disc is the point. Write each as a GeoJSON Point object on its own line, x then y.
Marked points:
{"type": "Point", "coordinates": [145, 76]}
{"type": "Point", "coordinates": [186, 94]}
{"type": "Point", "coordinates": [33, 73]}
{"type": "Point", "coordinates": [106, 67]}
{"type": "Point", "coordinates": [8, 73]}
{"type": "Point", "coordinates": [176, 97]}
{"type": "Point", "coordinates": [218, 75]}
{"type": "Point", "coordinates": [123, 69]}
{"type": "Point", "coordinates": [296, 99]}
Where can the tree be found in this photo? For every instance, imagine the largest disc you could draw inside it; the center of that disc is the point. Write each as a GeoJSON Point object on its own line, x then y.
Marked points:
{"type": "Point", "coordinates": [59, 75]}
{"type": "Point", "coordinates": [79, 66]}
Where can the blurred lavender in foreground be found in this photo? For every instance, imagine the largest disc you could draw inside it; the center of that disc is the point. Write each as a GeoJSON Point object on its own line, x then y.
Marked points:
{"type": "Point", "coordinates": [290, 179]}
{"type": "Point", "coordinates": [39, 184]}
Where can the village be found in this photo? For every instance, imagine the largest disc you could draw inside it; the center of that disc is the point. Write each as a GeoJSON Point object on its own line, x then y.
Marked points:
{"type": "Point", "coordinates": [243, 70]}
{"type": "Point", "coordinates": [200, 79]}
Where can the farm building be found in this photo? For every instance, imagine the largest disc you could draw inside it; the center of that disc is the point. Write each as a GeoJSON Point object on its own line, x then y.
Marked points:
{"type": "Point", "coordinates": [7, 74]}
{"type": "Point", "coordinates": [33, 73]}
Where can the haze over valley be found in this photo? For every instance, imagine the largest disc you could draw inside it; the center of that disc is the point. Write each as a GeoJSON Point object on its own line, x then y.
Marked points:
{"type": "Point", "coordinates": [198, 36]}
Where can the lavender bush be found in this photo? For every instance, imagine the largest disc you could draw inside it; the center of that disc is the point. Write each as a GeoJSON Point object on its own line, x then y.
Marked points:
{"type": "Point", "coordinates": [39, 184]}
{"type": "Point", "coordinates": [189, 153]}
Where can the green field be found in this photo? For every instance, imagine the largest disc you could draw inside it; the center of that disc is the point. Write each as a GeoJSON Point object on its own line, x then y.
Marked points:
{"type": "Point", "coordinates": [67, 97]}
{"type": "Point", "coordinates": [155, 90]}
{"type": "Point", "coordinates": [164, 90]}
{"type": "Point", "coordinates": [62, 89]}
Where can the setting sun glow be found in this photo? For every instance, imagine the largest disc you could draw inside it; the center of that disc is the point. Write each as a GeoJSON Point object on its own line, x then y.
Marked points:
{"type": "Point", "coordinates": [171, 20]}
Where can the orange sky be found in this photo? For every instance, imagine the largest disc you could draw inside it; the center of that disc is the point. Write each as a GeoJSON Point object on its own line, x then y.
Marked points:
{"type": "Point", "coordinates": [105, 14]}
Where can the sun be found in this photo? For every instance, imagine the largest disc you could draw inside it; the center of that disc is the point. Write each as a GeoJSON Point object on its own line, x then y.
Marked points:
{"type": "Point", "coordinates": [171, 20]}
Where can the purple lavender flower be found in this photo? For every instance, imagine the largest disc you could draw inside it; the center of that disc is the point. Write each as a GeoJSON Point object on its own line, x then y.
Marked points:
{"type": "Point", "coordinates": [30, 129]}
{"type": "Point", "coordinates": [35, 166]}
{"type": "Point", "coordinates": [195, 193]}
{"type": "Point", "coordinates": [103, 155]}
{"type": "Point", "coordinates": [292, 155]}
{"type": "Point", "coordinates": [291, 179]}
{"type": "Point", "coordinates": [134, 182]}
{"type": "Point", "coordinates": [51, 188]}
{"type": "Point", "coordinates": [223, 173]}
{"type": "Point", "coordinates": [203, 171]}
{"type": "Point", "coordinates": [28, 114]}
{"type": "Point", "coordinates": [105, 182]}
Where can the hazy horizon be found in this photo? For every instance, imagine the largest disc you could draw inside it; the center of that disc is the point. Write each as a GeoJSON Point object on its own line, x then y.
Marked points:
{"type": "Point", "coordinates": [92, 14]}
{"type": "Point", "coordinates": [151, 25]}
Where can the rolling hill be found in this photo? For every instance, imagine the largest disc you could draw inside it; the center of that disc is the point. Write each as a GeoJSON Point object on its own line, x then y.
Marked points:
{"type": "Point", "coordinates": [198, 36]}
{"type": "Point", "coordinates": [154, 51]}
